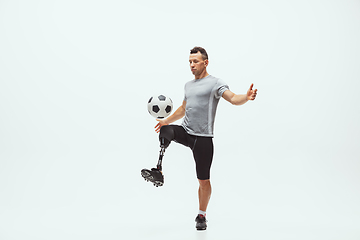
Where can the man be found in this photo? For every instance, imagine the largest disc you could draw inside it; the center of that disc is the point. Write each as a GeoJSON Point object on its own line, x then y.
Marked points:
{"type": "Point", "coordinates": [196, 131]}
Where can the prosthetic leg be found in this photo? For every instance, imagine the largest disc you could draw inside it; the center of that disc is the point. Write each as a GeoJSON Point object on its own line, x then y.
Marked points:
{"type": "Point", "coordinates": [155, 174]}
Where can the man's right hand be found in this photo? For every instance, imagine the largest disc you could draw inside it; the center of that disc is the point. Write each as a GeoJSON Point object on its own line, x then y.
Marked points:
{"type": "Point", "coordinates": [179, 113]}
{"type": "Point", "coordinates": [161, 122]}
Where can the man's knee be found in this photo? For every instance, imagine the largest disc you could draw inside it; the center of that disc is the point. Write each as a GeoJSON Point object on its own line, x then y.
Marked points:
{"type": "Point", "coordinates": [204, 183]}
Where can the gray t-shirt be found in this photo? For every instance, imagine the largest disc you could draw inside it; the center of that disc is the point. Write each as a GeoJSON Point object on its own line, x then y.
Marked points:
{"type": "Point", "coordinates": [202, 97]}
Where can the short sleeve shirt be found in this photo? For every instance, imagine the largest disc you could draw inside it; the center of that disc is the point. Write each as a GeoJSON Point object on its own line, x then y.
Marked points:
{"type": "Point", "coordinates": [202, 97]}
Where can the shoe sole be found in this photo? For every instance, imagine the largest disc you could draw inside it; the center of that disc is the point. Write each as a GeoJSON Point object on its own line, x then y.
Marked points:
{"type": "Point", "coordinates": [149, 178]}
{"type": "Point", "coordinates": [201, 228]}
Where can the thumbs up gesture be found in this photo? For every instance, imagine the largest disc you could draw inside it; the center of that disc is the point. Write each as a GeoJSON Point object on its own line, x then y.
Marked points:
{"type": "Point", "coordinates": [251, 94]}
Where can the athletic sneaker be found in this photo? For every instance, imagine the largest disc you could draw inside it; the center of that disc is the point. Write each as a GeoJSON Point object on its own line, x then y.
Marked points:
{"type": "Point", "coordinates": [200, 222]}
{"type": "Point", "coordinates": [154, 175]}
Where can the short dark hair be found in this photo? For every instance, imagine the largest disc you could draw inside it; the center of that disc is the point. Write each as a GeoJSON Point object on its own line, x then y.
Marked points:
{"type": "Point", "coordinates": [201, 50]}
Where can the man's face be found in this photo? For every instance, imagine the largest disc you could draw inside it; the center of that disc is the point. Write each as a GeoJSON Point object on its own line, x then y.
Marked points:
{"type": "Point", "coordinates": [197, 64]}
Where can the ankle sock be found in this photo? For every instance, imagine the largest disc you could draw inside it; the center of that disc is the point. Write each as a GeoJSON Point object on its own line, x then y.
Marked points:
{"type": "Point", "coordinates": [202, 213]}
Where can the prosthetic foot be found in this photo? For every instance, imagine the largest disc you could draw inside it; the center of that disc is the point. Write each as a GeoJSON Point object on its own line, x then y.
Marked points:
{"type": "Point", "coordinates": [155, 175]}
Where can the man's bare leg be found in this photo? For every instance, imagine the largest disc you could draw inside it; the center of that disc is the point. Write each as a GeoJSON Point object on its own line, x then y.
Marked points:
{"type": "Point", "coordinates": [204, 194]}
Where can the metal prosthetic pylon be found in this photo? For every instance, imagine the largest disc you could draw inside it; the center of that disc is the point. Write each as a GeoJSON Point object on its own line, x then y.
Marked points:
{"type": "Point", "coordinates": [161, 155]}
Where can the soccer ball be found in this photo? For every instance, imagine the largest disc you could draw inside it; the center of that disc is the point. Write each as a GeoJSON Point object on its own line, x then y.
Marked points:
{"type": "Point", "coordinates": [160, 106]}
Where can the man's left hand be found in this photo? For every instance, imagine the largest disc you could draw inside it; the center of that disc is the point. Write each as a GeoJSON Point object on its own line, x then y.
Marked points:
{"type": "Point", "coordinates": [251, 93]}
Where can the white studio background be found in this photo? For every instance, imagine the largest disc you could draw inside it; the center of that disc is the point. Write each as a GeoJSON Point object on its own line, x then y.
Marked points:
{"type": "Point", "coordinates": [75, 77]}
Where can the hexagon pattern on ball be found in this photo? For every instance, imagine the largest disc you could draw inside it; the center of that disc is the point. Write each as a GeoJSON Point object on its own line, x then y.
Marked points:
{"type": "Point", "coordinates": [160, 106]}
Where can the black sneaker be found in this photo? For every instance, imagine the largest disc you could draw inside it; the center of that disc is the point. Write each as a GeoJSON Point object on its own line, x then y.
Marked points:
{"type": "Point", "coordinates": [200, 222]}
{"type": "Point", "coordinates": [154, 175]}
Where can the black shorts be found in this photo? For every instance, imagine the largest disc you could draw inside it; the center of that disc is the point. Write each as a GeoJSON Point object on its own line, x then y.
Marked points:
{"type": "Point", "coordinates": [202, 147]}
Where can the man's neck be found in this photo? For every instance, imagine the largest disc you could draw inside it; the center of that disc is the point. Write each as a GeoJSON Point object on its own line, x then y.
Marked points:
{"type": "Point", "coordinates": [202, 75]}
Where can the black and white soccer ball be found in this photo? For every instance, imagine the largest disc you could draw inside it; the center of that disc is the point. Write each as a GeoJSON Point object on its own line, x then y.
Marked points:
{"type": "Point", "coordinates": [160, 106]}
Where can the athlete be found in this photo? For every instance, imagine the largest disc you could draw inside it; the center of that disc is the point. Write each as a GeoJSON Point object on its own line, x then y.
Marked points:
{"type": "Point", "coordinates": [197, 129]}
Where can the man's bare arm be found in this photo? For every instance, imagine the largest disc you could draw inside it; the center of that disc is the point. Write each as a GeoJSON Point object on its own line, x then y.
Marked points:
{"type": "Point", "coordinates": [240, 99]}
{"type": "Point", "coordinates": [178, 114]}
